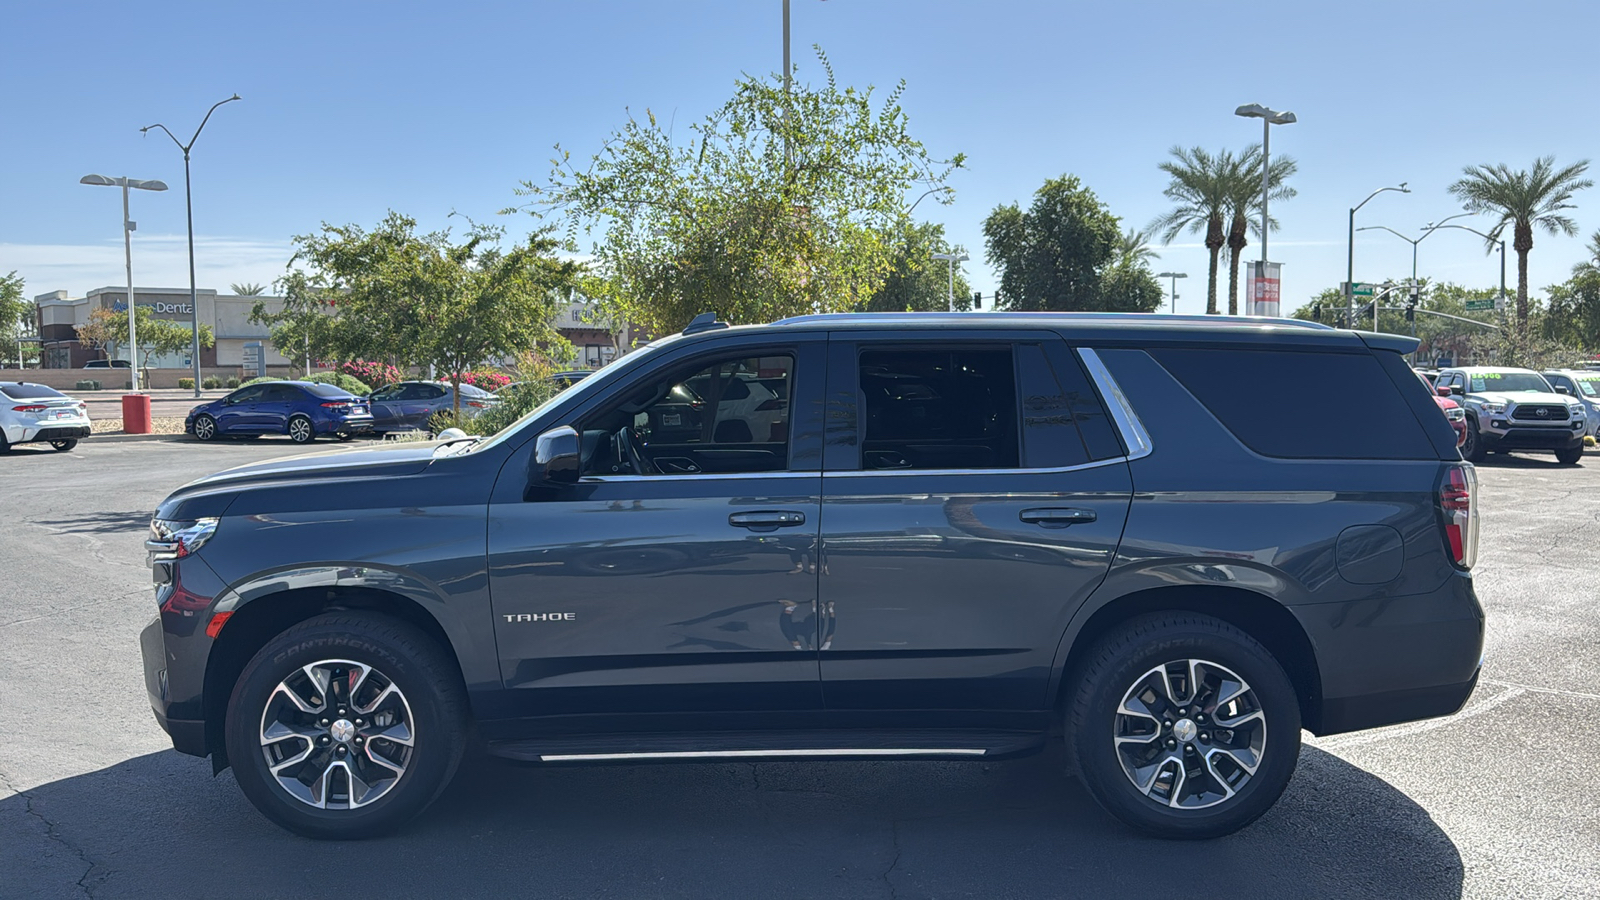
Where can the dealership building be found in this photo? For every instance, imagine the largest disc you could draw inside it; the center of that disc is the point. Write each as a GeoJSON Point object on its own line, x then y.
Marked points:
{"type": "Point", "coordinates": [60, 316]}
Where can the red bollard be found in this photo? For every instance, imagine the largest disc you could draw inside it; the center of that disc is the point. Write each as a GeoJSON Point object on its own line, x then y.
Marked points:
{"type": "Point", "coordinates": [135, 413]}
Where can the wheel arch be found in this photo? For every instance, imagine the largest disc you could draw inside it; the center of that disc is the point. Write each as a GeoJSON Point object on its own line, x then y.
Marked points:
{"type": "Point", "coordinates": [253, 624]}
{"type": "Point", "coordinates": [1261, 617]}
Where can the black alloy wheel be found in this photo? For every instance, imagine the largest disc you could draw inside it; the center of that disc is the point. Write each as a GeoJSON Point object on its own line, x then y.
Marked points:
{"type": "Point", "coordinates": [1183, 726]}
{"type": "Point", "coordinates": [346, 725]}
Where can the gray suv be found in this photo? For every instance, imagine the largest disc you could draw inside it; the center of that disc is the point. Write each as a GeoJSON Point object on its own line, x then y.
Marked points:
{"type": "Point", "coordinates": [1515, 409]}
{"type": "Point", "coordinates": [928, 536]}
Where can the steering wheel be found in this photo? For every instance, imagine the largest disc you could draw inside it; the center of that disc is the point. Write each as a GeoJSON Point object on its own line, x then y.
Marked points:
{"type": "Point", "coordinates": [630, 446]}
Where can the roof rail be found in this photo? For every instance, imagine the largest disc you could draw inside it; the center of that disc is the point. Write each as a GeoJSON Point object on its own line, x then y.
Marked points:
{"type": "Point", "coordinates": [1141, 318]}
{"type": "Point", "coordinates": [706, 321]}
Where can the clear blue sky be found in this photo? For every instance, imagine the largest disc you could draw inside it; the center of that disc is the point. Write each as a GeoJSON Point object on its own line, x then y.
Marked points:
{"type": "Point", "coordinates": [353, 108]}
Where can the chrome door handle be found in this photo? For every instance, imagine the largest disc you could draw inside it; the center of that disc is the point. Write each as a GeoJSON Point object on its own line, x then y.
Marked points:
{"type": "Point", "coordinates": [767, 520]}
{"type": "Point", "coordinates": [1057, 517]}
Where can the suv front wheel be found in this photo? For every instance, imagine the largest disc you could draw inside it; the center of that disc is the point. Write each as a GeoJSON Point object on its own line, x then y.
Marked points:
{"type": "Point", "coordinates": [1184, 726]}
{"type": "Point", "coordinates": [346, 725]}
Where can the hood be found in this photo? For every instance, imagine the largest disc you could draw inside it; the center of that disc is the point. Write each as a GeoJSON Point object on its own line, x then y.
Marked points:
{"type": "Point", "coordinates": [210, 495]}
{"type": "Point", "coordinates": [1518, 398]}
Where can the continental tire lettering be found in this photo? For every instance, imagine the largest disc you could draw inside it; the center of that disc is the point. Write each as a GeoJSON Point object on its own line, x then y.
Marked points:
{"type": "Point", "coordinates": [541, 617]}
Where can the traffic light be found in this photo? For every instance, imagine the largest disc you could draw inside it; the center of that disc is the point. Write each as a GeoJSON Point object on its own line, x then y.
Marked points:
{"type": "Point", "coordinates": [977, 299]}
{"type": "Point", "coordinates": [1316, 312]}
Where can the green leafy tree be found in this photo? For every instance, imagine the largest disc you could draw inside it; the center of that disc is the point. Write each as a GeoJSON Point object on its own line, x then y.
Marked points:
{"type": "Point", "coordinates": [421, 299]}
{"type": "Point", "coordinates": [1591, 264]}
{"type": "Point", "coordinates": [248, 289]}
{"type": "Point", "coordinates": [1523, 200]}
{"type": "Point", "coordinates": [1440, 336]}
{"type": "Point", "coordinates": [1244, 206]}
{"type": "Point", "coordinates": [1574, 311]}
{"type": "Point", "coordinates": [1058, 253]}
{"type": "Point", "coordinates": [776, 204]}
{"type": "Point", "coordinates": [916, 282]}
{"type": "Point", "coordinates": [1199, 184]}
{"type": "Point", "coordinates": [16, 320]}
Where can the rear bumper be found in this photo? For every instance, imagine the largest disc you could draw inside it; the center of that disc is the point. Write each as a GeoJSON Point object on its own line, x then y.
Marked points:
{"type": "Point", "coordinates": [37, 432]}
{"type": "Point", "coordinates": [1387, 660]}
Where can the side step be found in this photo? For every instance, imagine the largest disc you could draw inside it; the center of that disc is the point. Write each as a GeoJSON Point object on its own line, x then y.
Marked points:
{"type": "Point", "coordinates": [732, 745]}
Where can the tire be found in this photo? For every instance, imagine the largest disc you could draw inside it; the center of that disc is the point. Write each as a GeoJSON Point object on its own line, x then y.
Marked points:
{"type": "Point", "coordinates": [1472, 448]}
{"type": "Point", "coordinates": [5, 445]}
{"type": "Point", "coordinates": [1217, 794]}
{"type": "Point", "coordinates": [64, 446]}
{"type": "Point", "coordinates": [431, 705]}
{"type": "Point", "coordinates": [301, 430]}
{"type": "Point", "coordinates": [205, 428]}
{"type": "Point", "coordinates": [345, 437]}
{"type": "Point", "coordinates": [1570, 457]}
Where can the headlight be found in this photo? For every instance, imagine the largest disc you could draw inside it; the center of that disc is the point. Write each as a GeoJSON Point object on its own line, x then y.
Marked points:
{"type": "Point", "coordinates": [1455, 415]}
{"type": "Point", "coordinates": [1495, 408]}
{"type": "Point", "coordinates": [175, 540]}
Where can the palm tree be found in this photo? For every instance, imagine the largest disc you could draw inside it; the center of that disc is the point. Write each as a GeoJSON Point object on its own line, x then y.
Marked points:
{"type": "Point", "coordinates": [1133, 249]}
{"type": "Point", "coordinates": [1522, 200]}
{"type": "Point", "coordinates": [1244, 199]}
{"type": "Point", "coordinates": [248, 290]}
{"type": "Point", "coordinates": [1591, 264]}
{"type": "Point", "coordinates": [1200, 186]}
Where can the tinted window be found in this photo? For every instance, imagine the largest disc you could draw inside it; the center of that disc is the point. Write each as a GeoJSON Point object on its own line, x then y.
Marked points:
{"type": "Point", "coordinates": [392, 392]}
{"type": "Point", "coordinates": [31, 392]}
{"type": "Point", "coordinates": [1099, 432]}
{"type": "Point", "coordinates": [282, 393]}
{"type": "Point", "coordinates": [326, 390]}
{"type": "Point", "coordinates": [247, 395]}
{"type": "Point", "coordinates": [1050, 437]}
{"type": "Point", "coordinates": [938, 409]}
{"type": "Point", "coordinates": [1261, 396]}
{"type": "Point", "coordinates": [428, 392]}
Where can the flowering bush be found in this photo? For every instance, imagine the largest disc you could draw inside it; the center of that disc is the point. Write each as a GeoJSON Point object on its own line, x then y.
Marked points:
{"type": "Point", "coordinates": [489, 381]}
{"type": "Point", "coordinates": [376, 374]}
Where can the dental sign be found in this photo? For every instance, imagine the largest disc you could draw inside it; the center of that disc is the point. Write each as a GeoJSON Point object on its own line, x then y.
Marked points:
{"type": "Point", "coordinates": [159, 308]}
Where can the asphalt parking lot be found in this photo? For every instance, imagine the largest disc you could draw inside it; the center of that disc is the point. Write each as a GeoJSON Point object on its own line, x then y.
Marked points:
{"type": "Point", "coordinates": [1498, 801]}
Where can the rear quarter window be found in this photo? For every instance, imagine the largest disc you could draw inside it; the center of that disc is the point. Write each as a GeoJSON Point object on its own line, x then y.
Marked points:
{"type": "Point", "coordinates": [1302, 404]}
{"type": "Point", "coordinates": [328, 391]}
{"type": "Point", "coordinates": [31, 392]}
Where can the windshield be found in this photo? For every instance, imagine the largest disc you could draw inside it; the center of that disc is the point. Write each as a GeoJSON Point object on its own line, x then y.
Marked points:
{"type": "Point", "coordinates": [1509, 382]}
{"type": "Point", "coordinates": [575, 392]}
{"type": "Point", "coordinates": [1588, 384]}
{"type": "Point", "coordinates": [31, 392]}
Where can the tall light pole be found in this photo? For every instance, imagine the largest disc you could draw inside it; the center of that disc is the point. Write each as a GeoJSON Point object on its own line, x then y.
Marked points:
{"type": "Point", "coordinates": [1426, 230]}
{"type": "Point", "coordinates": [952, 258]}
{"type": "Point", "coordinates": [1174, 276]}
{"type": "Point", "coordinates": [128, 226]}
{"type": "Point", "coordinates": [1350, 254]}
{"type": "Point", "coordinates": [1269, 118]}
{"type": "Point", "coordinates": [188, 204]}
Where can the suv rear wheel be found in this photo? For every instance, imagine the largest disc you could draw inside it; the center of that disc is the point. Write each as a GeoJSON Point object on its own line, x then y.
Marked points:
{"type": "Point", "coordinates": [346, 725]}
{"type": "Point", "coordinates": [1184, 726]}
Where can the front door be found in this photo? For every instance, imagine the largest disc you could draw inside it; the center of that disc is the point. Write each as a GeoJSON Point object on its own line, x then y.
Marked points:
{"type": "Point", "coordinates": [679, 574]}
{"type": "Point", "coordinates": [976, 505]}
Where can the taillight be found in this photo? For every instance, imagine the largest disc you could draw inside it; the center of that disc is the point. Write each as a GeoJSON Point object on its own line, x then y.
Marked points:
{"type": "Point", "coordinates": [32, 407]}
{"type": "Point", "coordinates": [772, 404]}
{"type": "Point", "coordinates": [475, 404]}
{"type": "Point", "coordinates": [336, 404]}
{"type": "Point", "coordinates": [1459, 508]}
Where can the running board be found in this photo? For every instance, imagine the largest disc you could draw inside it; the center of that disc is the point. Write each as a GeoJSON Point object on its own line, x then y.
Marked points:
{"type": "Point", "coordinates": [770, 745]}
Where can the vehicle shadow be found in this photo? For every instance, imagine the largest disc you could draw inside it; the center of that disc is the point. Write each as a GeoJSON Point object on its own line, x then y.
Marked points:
{"type": "Point", "coordinates": [99, 523]}
{"type": "Point", "coordinates": [158, 825]}
{"type": "Point", "coordinates": [1529, 460]}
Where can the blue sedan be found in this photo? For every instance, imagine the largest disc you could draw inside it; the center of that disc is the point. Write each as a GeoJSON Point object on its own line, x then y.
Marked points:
{"type": "Point", "coordinates": [300, 409]}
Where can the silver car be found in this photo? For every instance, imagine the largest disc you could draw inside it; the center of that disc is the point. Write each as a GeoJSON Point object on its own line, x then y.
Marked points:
{"type": "Point", "coordinates": [408, 405]}
{"type": "Point", "coordinates": [35, 413]}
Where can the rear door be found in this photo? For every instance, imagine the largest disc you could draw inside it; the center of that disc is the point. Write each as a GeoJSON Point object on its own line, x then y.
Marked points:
{"type": "Point", "coordinates": [974, 492]}
{"type": "Point", "coordinates": [277, 403]}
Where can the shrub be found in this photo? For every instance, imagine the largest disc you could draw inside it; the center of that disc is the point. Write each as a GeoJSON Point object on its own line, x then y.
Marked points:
{"type": "Point", "coordinates": [448, 418]}
{"type": "Point", "coordinates": [376, 374]}
{"type": "Point", "coordinates": [211, 382]}
{"type": "Point", "coordinates": [341, 380]}
{"type": "Point", "coordinates": [186, 383]}
{"type": "Point", "coordinates": [234, 382]}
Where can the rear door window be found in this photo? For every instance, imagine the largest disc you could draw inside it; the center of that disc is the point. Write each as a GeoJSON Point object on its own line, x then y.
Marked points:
{"type": "Point", "coordinates": [1264, 398]}
{"type": "Point", "coordinates": [939, 408]}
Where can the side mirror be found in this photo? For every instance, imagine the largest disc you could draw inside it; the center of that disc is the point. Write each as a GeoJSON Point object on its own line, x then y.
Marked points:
{"type": "Point", "coordinates": [557, 453]}
{"type": "Point", "coordinates": [1456, 390]}
{"type": "Point", "coordinates": [1442, 391]}
{"type": "Point", "coordinates": [1562, 389]}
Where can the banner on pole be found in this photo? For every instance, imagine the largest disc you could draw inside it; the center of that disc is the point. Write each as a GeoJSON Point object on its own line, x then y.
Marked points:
{"type": "Point", "coordinates": [1262, 281]}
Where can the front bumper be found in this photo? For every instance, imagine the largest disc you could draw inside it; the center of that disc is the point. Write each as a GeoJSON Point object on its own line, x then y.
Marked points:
{"type": "Point", "coordinates": [1504, 434]}
{"type": "Point", "coordinates": [188, 735]}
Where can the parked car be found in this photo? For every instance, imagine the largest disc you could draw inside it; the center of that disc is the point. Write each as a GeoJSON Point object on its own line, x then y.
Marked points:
{"type": "Point", "coordinates": [1515, 409]}
{"type": "Point", "coordinates": [408, 405]}
{"type": "Point", "coordinates": [36, 413]}
{"type": "Point", "coordinates": [562, 381]}
{"type": "Point", "coordinates": [107, 364]}
{"type": "Point", "coordinates": [303, 410]}
{"type": "Point", "coordinates": [971, 534]}
{"type": "Point", "coordinates": [1453, 413]}
{"type": "Point", "coordinates": [1583, 384]}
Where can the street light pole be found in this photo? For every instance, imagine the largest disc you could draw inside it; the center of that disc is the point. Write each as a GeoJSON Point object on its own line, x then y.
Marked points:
{"type": "Point", "coordinates": [952, 258]}
{"type": "Point", "coordinates": [1269, 118]}
{"type": "Point", "coordinates": [1174, 276]}
{"type": "Point", "coordinates": [128, 226]}
{"type": "Point", "coordinates": [1350, 253]}
{"type": "Point", "coordinates": [188, 205]}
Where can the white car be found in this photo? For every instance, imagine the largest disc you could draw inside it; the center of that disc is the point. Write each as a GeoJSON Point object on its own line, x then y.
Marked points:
{"type": "Point", "coordinates": [33, 412]}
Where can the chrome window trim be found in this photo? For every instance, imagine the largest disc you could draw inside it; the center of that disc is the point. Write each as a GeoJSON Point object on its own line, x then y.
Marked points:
{"type": "Point", "coordinates": [1122, 412]}
{"type": "Point", "coordinates": [878, 473]}
{"type": "Point", "coordinates": [709, 476]}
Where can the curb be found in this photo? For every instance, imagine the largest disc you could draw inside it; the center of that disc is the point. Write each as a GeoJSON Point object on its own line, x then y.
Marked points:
{"type": "Point", "coordinates": [117, 437]}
